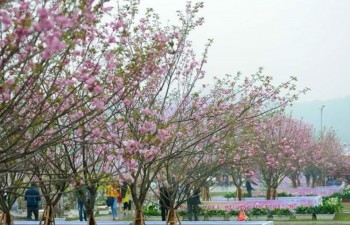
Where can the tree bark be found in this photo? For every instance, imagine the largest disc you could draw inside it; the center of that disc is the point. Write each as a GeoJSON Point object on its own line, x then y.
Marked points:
{"type": "Point", "coordinates": [6, 218]}
{"type": "Point", "coordinates": [307, 181]}
{"type": "Point", "coordinates": [139, 218]}
{"type": "Point", "coordinates": [294, 183]}
{"type": "Point", "coordinates": [172, 217]}
{"type": "Point", "coordinates": [206, 193]}
{"type": "Point", "coordinates": [268, 193]}
{"type": "Point", "coordinates": [48, 216]}
{"type": "Point", "coordinates": [274, 193]}
{"type": "Point", "coordinates": [313, 183]}
{"type": "Point", "coordinates": [239, 194]}
{"type": "Point", "coordinates": [90, 215]}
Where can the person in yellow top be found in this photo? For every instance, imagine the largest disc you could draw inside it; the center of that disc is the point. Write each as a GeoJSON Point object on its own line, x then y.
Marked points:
{"type": "Point", "coordinates": [112, 193]}
{"type": "Point", "coordinates": [126, 197]}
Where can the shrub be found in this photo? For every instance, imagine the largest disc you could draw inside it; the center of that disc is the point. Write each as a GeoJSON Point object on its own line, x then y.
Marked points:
{"type": "Point", "coordinates": [151, 209]}
{"type": "Point", "coordinates": [233, 212]}
{"type": "Point", "coordinates": [182, 212]}
{"type": "Point", "coordinates": [284, 194]}
{"type": "Point", "coordinates": [345, 194]}
{"type": "Point", "coordinates": [304, 209]}
{"type": "Point", "coordinates": [213, 212]}
{"type": "Point", "coordinates": [259, 211]}
{"type": "Point", "coordinates": [330, 205]}
{"type": "Point", "coordinates": [336, 195]}
{"type": "Point", "coordinates": [282, 212]}
{"type": "Point", "coordinates": [324, 209]}
{"type": "Point", "coordinates": [230, 195]}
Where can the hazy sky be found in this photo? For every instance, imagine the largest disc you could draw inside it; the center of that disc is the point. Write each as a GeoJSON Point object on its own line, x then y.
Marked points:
{"type": "Point", "coordinates": [309, 39]}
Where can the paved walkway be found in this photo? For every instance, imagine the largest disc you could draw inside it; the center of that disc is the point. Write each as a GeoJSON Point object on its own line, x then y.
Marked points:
{"type": "Point", "coordinates": [197, 223]}
{"type": "Point", "coordinates": [152, 223]}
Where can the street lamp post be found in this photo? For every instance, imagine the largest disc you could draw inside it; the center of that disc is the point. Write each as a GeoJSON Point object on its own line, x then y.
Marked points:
{"type": "Point", "coordinates": [322, 119]}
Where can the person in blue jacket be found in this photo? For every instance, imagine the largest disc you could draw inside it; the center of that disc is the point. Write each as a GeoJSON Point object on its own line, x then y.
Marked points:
{"type": "Point", "coordinates": [32, 196]}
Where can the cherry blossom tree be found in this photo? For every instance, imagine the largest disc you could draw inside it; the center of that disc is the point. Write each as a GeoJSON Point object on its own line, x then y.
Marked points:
{"type": "Point", "coordinates": [91, 161]}
{"type": "Point", "coordinates": [303, 146]}
{"type": "Point", "coordinates": [228, 116]}
{"type": "Point", "coordinates": [325, 157]}
{"type": "Point", "coordinates": [62, 65]}
{"type": "Point", "coordinates": [277, 137]}
{"type": "Point", "coordinates": [239, 154]}
{"type": "Point", "coordinates": [12, 186]}
{"type": "Point", "coordinates": [51, 173]}
{"type": "Point", "coordinates": [115, 96]}
{"type": "Point", "coordinates": [168, 74]}
{"type": "Point", "coordinates": [33, 61]}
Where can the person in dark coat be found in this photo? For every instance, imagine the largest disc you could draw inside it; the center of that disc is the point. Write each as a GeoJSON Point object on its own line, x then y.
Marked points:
{"type": "Point", "coordinates": [32, 196]}
{"type": "Point", "coordinates": [164, 202]}
{"type": "Point", "coordinates": [82, 210]}
{"type": "Point", "coordinates": [83, 198]}
{"type": "Point", "coordinates": [193, 200]}
{"type": "Point", "coordinates": [248, 186]}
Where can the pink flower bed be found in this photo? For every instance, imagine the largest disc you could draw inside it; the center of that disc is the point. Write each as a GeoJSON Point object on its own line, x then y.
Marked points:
{"type": "Point", "coordinates": [304, 191]}
{"type": "Point", "coordinates": [283, 202]}
{"type": "Point", "coordinates": [301, 197]}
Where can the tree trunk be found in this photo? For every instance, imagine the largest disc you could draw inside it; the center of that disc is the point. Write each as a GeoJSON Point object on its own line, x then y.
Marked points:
{"type": "Point", "coordinates": [298, 182]}
{"type": "Point", "coordinates": [139, 217]}
{"type": "Point", "coordinates": [321, 181]}
{"type": "Point", "coordinates": [307, 181]}
{"type": "Point", "coordinates": [206, 193]}
{"type": "Point", "coordinates": [239, 194]}
{"type": "Point", "coordinates": [294, 182]}
{"type": "Point", "coordinates": [268, 193]}
{"type": "Point", "coordinates": [313, 184]}
{"type": "Point", "coordinates": [274, 193]}
{"type": "Point", "coordinates": [172, 217]}
{"type": "Point", "coordinates": [90, 215]}
{"type": "Point", "coordinates": [6, 219]}
{"type": "Point", "coordinates": [48, 217]}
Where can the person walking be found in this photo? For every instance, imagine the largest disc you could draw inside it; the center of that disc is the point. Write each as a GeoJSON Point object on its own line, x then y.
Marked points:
{"type": "Point", "coordinates": [32, 196]}
{"type": "Point", "coordinates": [248, 186]}
{"type": "Point", "coordinates": [193, 200]}
{"type": "Point", "coordinates": [112, 198]}
{"type": "Point", "coordinates": [164, 202]}
{"type": "Point", "coordinates": [84, 197]}
{"type": "Point", "coordinates": [126, 198]}
{"type": "Point", "coordinates": [82, 210]}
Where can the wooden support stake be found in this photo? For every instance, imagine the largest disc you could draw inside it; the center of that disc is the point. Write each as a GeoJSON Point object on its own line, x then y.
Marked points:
{"type": "Point", "coordinates": [46, 216]}
{"type": "Point", "coordinates": [2, 218]}
{"type": "Point", "coordinates": [176, 217]}
{"type": "Point", "coordinates": [141, 218]}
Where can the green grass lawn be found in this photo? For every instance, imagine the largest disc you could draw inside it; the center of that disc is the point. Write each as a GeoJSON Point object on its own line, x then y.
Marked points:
{"type": "Point", "coordinates": [215, 194]}
{"type": "Point", "coordinates": [342, 216]}
{"type": "Point", "coordinates": [345, 214]}
{"type": "Point", "coordinates": [346, 207]}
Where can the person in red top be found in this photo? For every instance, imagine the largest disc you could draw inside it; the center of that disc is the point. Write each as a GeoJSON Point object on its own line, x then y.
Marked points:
{"type": "Point", "coordinates": [241, 216]}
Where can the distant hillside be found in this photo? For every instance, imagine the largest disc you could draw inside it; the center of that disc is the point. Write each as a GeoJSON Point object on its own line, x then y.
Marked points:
{"type": "Point", "coordinates": [336, 115]}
